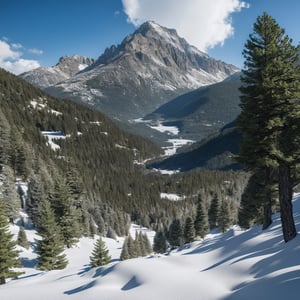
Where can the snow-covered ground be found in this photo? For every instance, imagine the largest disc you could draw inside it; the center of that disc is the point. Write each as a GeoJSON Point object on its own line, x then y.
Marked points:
{"type": "Point", "coordinates": [175, 142]}
{"type": "Point", "coordinates": [52, 136]}
{"type": "Point", "coordinates": [171, 196]}
{"type": "Point", "coordinates": [242, 265]}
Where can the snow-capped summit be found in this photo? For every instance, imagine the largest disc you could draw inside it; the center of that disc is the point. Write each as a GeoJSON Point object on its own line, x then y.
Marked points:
{"type": "Point", "coordinates": [150, 67]}
{"type": "Point", "coordinates": [67, 67]}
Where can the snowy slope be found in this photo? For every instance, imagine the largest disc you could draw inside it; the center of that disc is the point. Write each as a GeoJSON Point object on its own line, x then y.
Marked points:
{"type": "Point", "coordinates": [250, 264]}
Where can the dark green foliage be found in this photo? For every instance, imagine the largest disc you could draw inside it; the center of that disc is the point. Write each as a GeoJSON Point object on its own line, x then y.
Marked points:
{"type": "Point", "coordinates": [66, 212]}
{"type": "Point", "coordinates": [253, 200]}
{"type": "Point", "coordinates": [10, 197]}
{"type": "Point", "coordinates": [146, 244]}
{"type": "Point", "coordinates": [51, 246]}
{"type": "Point", "coordinates": [8, 254]}
{"type": "Point", "coordinates": [201, 221]}
{"type": "Point", "coordinates": [5, 139]}
{"type": "Point", "coordinates": [125, 253]}
{"type": "Point", "coordinates": [132, 248]}
{"type": "Point", "coordinates": [159, 243]}
{"type": "Point", "coordinates": [189, 230]}
{"type": "Point", "coordinates": [36, 195]}
{"type": "Point", "coordinates": [269, 120]}
{"type": "Point", "coordinates": [22, 238]}
{"type": "Point", "coordinates": [214, 212]}
{"type": "Point", "coordinates": [91, 181]}
{"type": "Point", "coordinates": [100, 255]}
{"type": "Point", "coordinates": [224, 219]}
{"type": "Point", "coordinates": [175, 237]}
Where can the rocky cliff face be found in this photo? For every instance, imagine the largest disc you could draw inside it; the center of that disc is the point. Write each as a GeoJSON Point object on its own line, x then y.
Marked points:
{"type": "Point", "coordinates": [67, 67]}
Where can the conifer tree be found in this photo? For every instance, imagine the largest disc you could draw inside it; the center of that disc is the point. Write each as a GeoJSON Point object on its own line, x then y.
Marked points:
{"type": "Point", "coordinates": [189, 230]}
{"type": "Point", "coordinates": [10, 197]}
{"type": "Point", "coordinates": [22, 238]}
{"type": "Point", "coordinates": [269, 119]}
{"type": "Point", "coordinates": [67, 215]}
{"type": "Point", "coordinates": [100, 255]}
{"type": "Point", "coordinates": [132, 251]}
{"type": "Point", "coordinates": [36, 195]}
{"type": "Point", "coordinates": [50, 248]}
{"type": "Point", "coordinates": [138, 245]}
{"type": "Point", "coordinates": [159, 242]}
{"type": "Point", "coordinates": [214, 211]}
{"type": "Point", "coordinates": [8, 254]}
{"type": "Point", "coordinates": [125, 253]}
{"type": "Point", "coordinates": [224, 219]}
{"type": "Point", "coordinates": [201, 221]}
{"type": "Point", "coordinates": [5, 139]}
{"type": "Point", "coordinates": [175, 233]}
{"type": "Point", "coordinates": [146, 243]}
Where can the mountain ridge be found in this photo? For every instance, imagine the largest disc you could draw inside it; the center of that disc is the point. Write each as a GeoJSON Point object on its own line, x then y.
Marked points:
{"type": "Point", "coordinates": [148, 68]}
{"type": "Point", "coordinates": [66, 67]}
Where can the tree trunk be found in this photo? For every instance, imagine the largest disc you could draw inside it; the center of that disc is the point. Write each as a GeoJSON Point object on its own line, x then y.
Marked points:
{"type": "Point", "coordinates": [2, 280]}
{"type": "Point", "coordinates": [286, 206]}
{"type": "Point", "coordinates": [268, 200]}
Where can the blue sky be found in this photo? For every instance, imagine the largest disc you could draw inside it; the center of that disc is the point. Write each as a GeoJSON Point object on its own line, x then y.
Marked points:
{"type": "Point", "coordinates": [37, 32]}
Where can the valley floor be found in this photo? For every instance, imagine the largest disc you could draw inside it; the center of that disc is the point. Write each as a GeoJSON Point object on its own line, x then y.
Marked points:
{"type": "Point", "coordinates": [252, 264]}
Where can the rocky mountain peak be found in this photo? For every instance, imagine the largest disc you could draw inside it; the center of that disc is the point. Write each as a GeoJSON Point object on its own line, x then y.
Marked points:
{"type": "Point", "coordinates": [67, 67]}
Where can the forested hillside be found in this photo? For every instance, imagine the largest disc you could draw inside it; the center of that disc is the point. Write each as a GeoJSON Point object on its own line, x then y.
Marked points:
{"type": "Point", "coordinates": [92, 173]}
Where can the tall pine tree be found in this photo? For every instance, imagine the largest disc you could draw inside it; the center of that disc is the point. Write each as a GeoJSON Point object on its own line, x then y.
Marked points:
{"type": "Point", "coordinates": [8, 254]}
{"type": "Point", "coordinates": [201, 221]}
{"type": "Point", "coordinates": [50, 247]}
{"type": "Point", "coordinates": [269, 119]}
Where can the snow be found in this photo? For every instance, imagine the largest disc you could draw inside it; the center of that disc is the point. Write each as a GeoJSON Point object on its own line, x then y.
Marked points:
{"type": "Point", "coordinates": [163, 128]}
{"type": "Point", "coordinates": [176, 143]}
{"type": "Point", "coordinates": [171, 197]}
{"type": "Point", "coordinates": [82, 67]}
{"type": "Point", "coordinates": [52, 136]}
{"type": "Point", "coordinates": [247, 265]}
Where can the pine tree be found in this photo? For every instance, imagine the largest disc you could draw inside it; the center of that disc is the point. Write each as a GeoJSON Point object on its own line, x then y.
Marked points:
{"type": "Point", "coordinates": [100, 255]}
{"type": "Point", "coordinates": [22, 238]}
{"type": "Point", "coordinates": [5, 139]}
{"type": "Point", "coordinates": [125, 253]}
{"type": "Point", "coordinates": [132, 251]}
{"type": "Point", "coordinates": [189, 230]}
{"type": "Point", "coordinates": [224, 219]}
{"type": "Point", "coordinates": [159, 242]}
{"type": "Point", "coordinates": [67, 215]}
{"type": "Point", "coordinates": [146, 243]}
{"type": "Point", "coordinates": [9, 193]}
{"type": "Point", "coordinates": [201, 221]}
{"type": "Point", "coordinates": [50, 248]}
{"type": "Point", "coordinates": [269, 119]}
{"type": "Point", "coordinates": [213, 212]}
{"type": "Point", "coordinates": [36, 195]}
{"type": "Point", "coordinates": [138, 245]}
{"type": "Point", "coordinates": [175, 233]}
{"type": "Point", "coordinates": [8, 254]}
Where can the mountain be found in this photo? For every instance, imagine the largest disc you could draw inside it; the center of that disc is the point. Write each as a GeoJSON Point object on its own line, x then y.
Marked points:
{"type": "Point", "coordinates": [216, 152]}
{"type": "Point", "coordinates": [49, 143]}
{"type": "Point", "coordinates": [150, 67]}
{"type": "Point", "coordinates": [66, 68]}
{"type": "Point", "coordinates": [202, 112]}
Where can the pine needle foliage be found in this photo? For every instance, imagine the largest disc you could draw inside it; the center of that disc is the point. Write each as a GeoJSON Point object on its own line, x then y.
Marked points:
{"type": "Point", "coordinates": [9, 256]}
{"type": "Point", "coordinates": [100, 255]}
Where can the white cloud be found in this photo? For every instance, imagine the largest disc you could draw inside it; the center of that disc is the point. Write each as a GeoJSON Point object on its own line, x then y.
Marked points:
{"type": "Point", "coordinates": [203, 23]}
{"type": "Point", "coordinates": [12, 61]}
